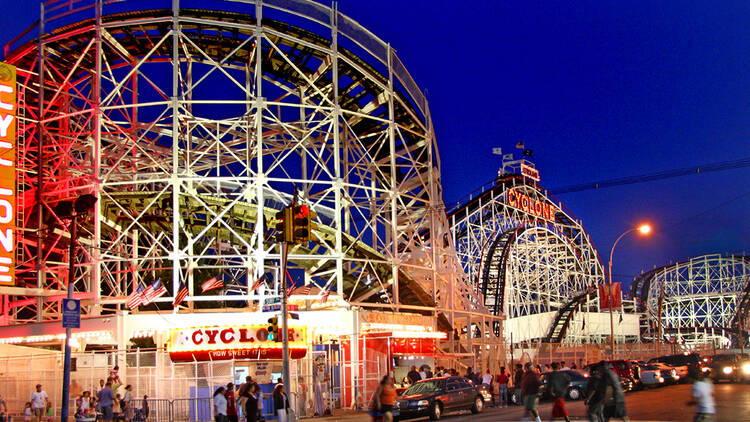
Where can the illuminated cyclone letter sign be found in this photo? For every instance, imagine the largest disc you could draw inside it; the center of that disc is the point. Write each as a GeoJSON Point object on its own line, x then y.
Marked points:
{"type": "Point", "coordinates": [7, 172]}
{"type": "Point", "coordinates": [531, 205]}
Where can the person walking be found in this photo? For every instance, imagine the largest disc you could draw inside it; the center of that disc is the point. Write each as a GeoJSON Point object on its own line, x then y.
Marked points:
{"type": "Point", "coordinates": [280, 403]}
{"type": "Point", "coordinates": [39, 402]}
{"type": "Point", "coordinates": [530, 384]}
{"type": "Point", "coordinates": [517, 377]}
{"type": "Point", "coordinates": [231, 403]}
{"type": "Point", "coordinates": [703, 398]}
{"type": "Point", "coordinates": [385, 398]}
{"type": "Point", "coordinates": [501, 384]}
{"type": "Point", "coordinates": [614, 401]}
{"type": "Point", "coordinates": [220, 405]}
{"type": "Point", "coordinates": [128, 412]}
{"type": "Point", "coordinates": [558, 382]}
{"type": "Point", "coordinates": [106, 399]}
{"type": "Point", "coordinates": [251, 409]}
{"type": "Point", "coordinates": [594, 399]}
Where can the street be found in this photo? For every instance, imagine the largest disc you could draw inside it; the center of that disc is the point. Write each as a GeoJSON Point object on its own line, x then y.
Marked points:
{"type": "Point", "coordinates": [662, 404]}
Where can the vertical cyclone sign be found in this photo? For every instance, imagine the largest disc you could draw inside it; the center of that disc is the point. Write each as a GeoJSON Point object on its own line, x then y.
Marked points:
{"type": "Point", "coordinates": [7, 172]}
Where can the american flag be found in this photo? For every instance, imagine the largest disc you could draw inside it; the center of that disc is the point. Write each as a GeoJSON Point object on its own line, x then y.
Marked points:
{"type": "Point", "coordinates": [324, 298]}
{"type": "Point", "coordinates": [154, 292]}
{"type": "Point", "coordinates": [291, 288]}
{"type": "Point", "coordinates": [211, 284]}
{"type": "Point", "coordinates": [258, 283]}
{"type": "Point", "coordinates": [181, 294]}
{"type": "Point", "coordinates": [304, 290]}
{"type": "Point", "coordinates": [136, 298]}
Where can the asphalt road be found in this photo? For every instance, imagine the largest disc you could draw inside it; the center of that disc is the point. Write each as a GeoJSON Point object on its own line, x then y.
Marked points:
{"type": "Point", "coordinates": [660, 404]}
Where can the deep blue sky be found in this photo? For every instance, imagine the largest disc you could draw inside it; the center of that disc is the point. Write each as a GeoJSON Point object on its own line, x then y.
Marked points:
{"type": "Point", "coordinates": [598, 90]}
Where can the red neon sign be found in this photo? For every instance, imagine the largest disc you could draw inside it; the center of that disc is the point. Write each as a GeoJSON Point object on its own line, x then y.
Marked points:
{"type": "Point", "coordinates": [7, 173]}
{"type": "Point", "coordinates": [230, 342]}
{"type": "Point", "coordinates": [531, 205]}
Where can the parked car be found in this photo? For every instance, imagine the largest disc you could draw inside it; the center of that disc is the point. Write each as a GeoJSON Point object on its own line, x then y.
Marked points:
{"type": "Point", "coordinates": [734, 367]}
{"type": "Point", "coordinates": [434, 396]}
{"type": "Point", "coordinates": [687, 365]}
{"type": "Point", "coordinates": [650, 376]}
{"type": "Point", "coordinates": [576, 386]}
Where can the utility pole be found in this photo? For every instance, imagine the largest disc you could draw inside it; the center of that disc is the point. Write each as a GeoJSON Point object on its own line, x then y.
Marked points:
{"type": "Point", "coordinates": [284, 327]}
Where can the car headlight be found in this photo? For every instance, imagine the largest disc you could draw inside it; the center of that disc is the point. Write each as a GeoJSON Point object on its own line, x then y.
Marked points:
{"type": "Point", "coordinates": [423, 403]}
{"type": "Point", "coordinates": [705, 369]}
{"type": "Point", "coordinates": [727, 370]}
{"type": "Point", "coordinates": [746, 368]}
{"type": "Point", "coordinates": [661, 379]}
{"type": "Point", "coordinates": [676, 377]}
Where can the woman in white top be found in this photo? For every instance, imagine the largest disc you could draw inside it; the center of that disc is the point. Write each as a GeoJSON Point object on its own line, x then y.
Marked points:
{"type": "Point", "coordinates": [220, 406]}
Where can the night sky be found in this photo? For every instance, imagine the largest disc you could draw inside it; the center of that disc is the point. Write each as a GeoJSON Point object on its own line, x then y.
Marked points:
{"type": "Point", "coordinates": [598, 90]}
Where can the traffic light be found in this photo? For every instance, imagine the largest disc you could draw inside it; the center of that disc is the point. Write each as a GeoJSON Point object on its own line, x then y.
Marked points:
{"type": "Point", "coordinates": [273, 329]}
{"type": "Point", "coordinates": [301, 214]}
{"type": "Point", "coordinates": [284, 225]}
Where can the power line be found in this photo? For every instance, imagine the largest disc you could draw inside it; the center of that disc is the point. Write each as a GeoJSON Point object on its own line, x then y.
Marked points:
{"type": "Point", "coordinates": [650, 177]}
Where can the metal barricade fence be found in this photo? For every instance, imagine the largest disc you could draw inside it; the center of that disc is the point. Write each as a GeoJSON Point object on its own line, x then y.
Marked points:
{"type": "Point", "coordinates": [191, 410]}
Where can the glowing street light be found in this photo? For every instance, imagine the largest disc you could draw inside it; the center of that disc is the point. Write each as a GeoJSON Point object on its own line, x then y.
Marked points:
{"type": "Point", "coordinates": [644, 229]}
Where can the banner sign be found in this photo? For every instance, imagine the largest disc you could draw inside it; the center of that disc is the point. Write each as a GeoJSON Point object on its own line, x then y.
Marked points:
{"type": "Point", "coordinates": [232, 342]}
{"type": "Point", "coordinates": [8, 112]}
{"type": "Point", "coordinates": [605, 301]}
{"type": "Point", "coordinates": [530, 172]}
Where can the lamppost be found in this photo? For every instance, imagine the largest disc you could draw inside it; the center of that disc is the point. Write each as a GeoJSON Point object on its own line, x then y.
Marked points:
{"type": "Point", "coordinates": [644, 229]}
{"type": "Point", "coordinates": [68, 209]}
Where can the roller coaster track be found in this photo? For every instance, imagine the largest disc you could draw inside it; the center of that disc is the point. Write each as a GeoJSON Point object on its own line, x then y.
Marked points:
{"type": "Point", "coordinates": [493, 271]}
{"type": "Point", "coordinates": [743, 305]}
{"type": "Point", "coordinates": [562, 320]}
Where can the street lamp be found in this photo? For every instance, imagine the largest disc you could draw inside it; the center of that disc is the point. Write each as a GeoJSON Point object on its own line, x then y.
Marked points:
{"type": "Point", "coordinates": [68, 209]}
{"type": "Point", "coordinates": [643, 229]}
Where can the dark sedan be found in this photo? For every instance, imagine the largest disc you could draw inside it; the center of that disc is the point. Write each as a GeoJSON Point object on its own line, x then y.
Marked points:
{"type": "Point", "coordinates": [576, 386]}
{"type": "Point", "coordinates": [435, 396]}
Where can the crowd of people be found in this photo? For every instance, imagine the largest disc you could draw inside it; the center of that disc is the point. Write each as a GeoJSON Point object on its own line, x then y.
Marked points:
{"type": "Point", "coordinates": [245, 402]}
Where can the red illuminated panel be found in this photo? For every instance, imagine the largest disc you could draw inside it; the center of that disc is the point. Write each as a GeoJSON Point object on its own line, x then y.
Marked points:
{"type": "Point", "coordinates": [413, 346]}
{"type": "Point", "coordinates": [7, 172]}
{"type": "Point", "coordinates": [231, 342]}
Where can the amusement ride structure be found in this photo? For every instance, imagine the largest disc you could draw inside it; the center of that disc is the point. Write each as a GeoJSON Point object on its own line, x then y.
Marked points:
{"type": "Point", "coordinates": [193, 127]}
{"type": "Point", "coordinates": [704, 299]}
{"type": "Point", "coordinates": [529, 259]}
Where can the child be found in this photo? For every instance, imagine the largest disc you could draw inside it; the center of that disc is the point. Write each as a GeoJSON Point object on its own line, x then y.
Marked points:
{"type": "Point", "coordinates": [27, 411]}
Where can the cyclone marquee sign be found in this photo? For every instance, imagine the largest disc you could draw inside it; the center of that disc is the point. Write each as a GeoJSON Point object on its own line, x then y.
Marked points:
{"type": "Point", "coordinates": [531, 205]}
{"type": "Point", "coordinates": [232, 342]}
{"type": "Point", "coordinates": [8, 110]}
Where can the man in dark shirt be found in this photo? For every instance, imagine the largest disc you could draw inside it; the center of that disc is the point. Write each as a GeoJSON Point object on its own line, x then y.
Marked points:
{"type": "Point", "coordinates": [413, 375]}
{"type": "Point", "coordinates": [595, 392]}
{"type": "Point", "coordinates": [517, 376]}
{"type": "Point", "coordinates": [558, 382]}
{"type": "Point", "coordinates": [530, 384]}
